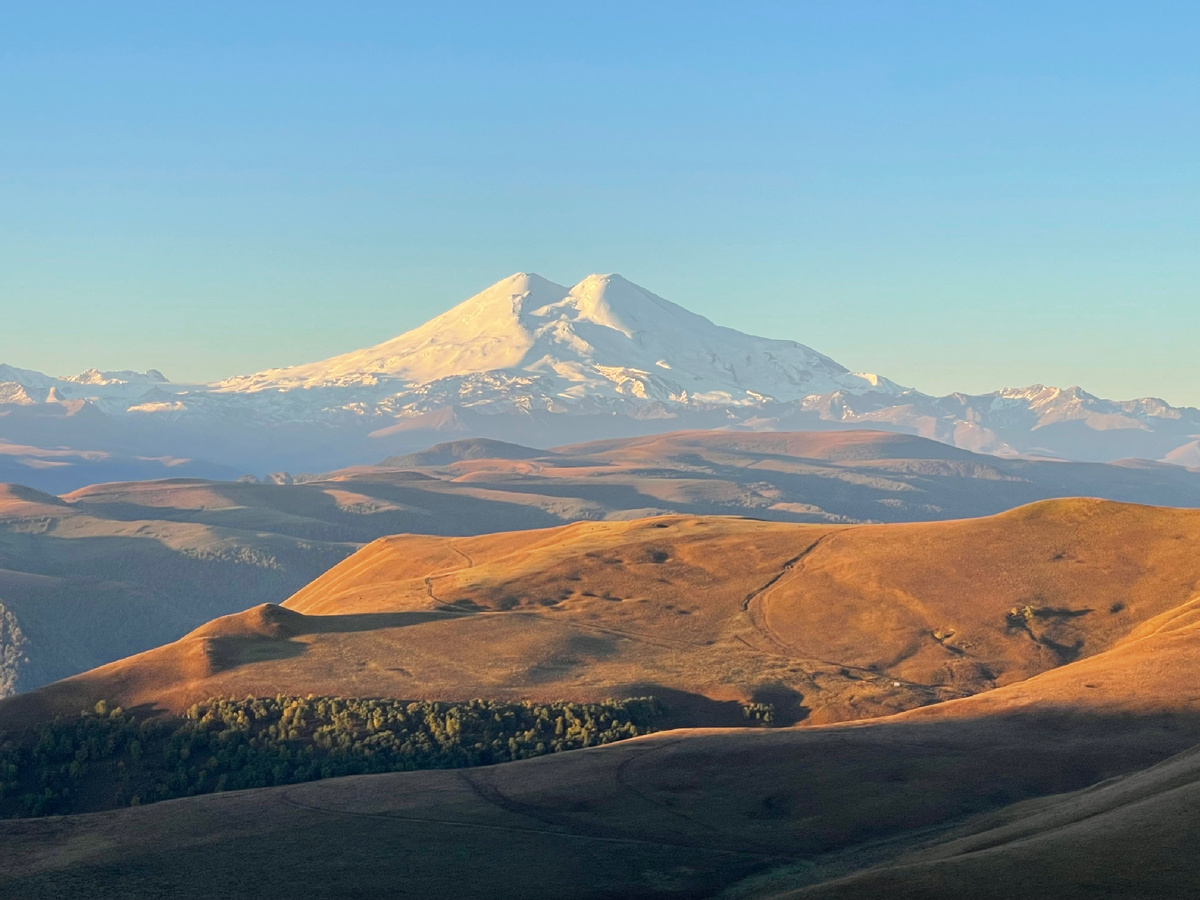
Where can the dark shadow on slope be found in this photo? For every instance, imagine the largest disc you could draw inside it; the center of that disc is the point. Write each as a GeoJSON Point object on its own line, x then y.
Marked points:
{"type": "Point", "coordinates": [669, 819]}
{"type": "Point", "coordinates": [788, 702]}
{"type": "Point", "coordinates": [684, 709]}
{"type": "Point", "coordinates": [356, 622]}
{"type": "Point", "coordinates": [226, 653]}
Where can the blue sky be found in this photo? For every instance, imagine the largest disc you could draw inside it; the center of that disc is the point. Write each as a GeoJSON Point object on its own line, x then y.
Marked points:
{"type": "Point", "coordinates": [956, 195]}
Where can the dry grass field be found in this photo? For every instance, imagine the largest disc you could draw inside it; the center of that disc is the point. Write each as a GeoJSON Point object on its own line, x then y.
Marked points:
{"type": "Point", "coordinates": [990, 707]}
{"type": "Point", "coordinates": [830, 623]}
{"type": "Point", "coordinates": [113, 569]}
{"type": "Point", "coordinates": [961, 799]}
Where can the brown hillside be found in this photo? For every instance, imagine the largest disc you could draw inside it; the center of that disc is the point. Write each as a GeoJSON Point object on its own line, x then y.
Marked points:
{"type": "Point", "coordinates": [828, 622]}
{"type": "Point", "coordinates": [1130, 837]}
{"type": "Point", "coordinates": [82, 584]}
{"type": "Point", "coordinates": [139, 564]}
{"type": "Point", "coordinates": [942, 801]}
{"type": "Point", "coordinates": [1134, 838]}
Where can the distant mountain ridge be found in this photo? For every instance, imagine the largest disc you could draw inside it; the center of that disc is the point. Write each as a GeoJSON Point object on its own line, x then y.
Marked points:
{"type": "Point", "coordinates": [456, 451]}
{"type": "Point", "coordinates": [528, 361]}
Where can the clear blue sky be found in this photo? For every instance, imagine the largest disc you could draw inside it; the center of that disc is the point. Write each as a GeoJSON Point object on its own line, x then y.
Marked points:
{"type": "Point", "coordinates": [957, 195]}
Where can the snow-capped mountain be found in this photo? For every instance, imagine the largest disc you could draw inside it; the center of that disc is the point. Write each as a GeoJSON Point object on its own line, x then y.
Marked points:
{"type": "Point", "coordinates": [529, 343]}
{"type": "Point", "coordinates": [90, 385]}
{"type": "Point", "coordinates": [535, 362]}
{"type": "Point", "coordinates": [125, 376]}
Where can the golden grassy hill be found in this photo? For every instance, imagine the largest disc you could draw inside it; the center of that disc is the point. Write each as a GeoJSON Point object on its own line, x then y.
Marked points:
{"type": "Point", "coordinates": [830, 623]}
{"type": "Point", "coordinates": [123, 567]}
{"type": "Point", "coordinates": [961, 799]}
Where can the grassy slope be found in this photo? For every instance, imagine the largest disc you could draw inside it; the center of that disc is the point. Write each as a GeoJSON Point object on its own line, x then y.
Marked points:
{"type": "Point", "coordinates": [1132, 837]}
{"type": "Point", "coordinates": [689, 813]}
{"type": "Point", "coordinates": [959, 798]}
{"type": "Point", "coordinates": [829, 622]}
{"type": "Point", "coordinates": [1129, 837]}
{"type": "Point", "coordinates": [117, 568]}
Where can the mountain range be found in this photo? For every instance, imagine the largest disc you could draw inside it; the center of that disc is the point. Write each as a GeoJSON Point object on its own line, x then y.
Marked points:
{"type": "Point", "coordinates": [534, 362]}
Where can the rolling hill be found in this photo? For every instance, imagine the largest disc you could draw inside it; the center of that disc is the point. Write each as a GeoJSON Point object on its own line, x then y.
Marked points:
{"type": "Point", "coordinates": [1076, 783]}
{"type": "Point", "coordinates": [830, 623]}
{"type": "Point", "coordinates": [59, 470]}
{"type": "Point", "coordinates": [114, 569]}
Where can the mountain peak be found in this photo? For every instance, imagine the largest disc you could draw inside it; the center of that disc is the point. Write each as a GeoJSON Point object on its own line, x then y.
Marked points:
{"type": "Point", "coordinates": [526, 342]}
{"type": "Point", "coordinates": [599, 278]}
{"type": "Point", "coordinates": [124, 376]}
{"type": "Point", "coordinates": [520, 282]}
{"type": "Point", "coordinates": [599, 283]}
{"type": "Point", "coordinates": [525, 351]}
{"type": "Point", "coordinates": [504, 298]}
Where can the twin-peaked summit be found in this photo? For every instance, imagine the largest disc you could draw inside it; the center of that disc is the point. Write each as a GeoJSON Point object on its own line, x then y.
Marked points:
{"type": "Point", "coordinates": [536, 363]}
{"type": "Point", "coordinates": [604, 338]}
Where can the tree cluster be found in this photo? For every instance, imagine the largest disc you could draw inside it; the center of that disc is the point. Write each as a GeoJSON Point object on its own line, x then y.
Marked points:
{"type": "Point", "coordinates": [107, 757]}
{"type": "Point", "coordinates": [759, 713]}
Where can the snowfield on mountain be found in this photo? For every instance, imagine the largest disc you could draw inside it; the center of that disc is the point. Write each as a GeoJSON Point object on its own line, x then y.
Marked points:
{"type": "Point", "coordinates": [534, 362]}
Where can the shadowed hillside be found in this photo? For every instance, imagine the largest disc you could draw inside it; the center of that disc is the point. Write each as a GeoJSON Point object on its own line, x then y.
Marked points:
{"type": "Point", "coordinates": [79, 589]}
{"type": "Point", "coordinates": [1134, 837]}
{"type": "Point", "coordinates": [937, 802]}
